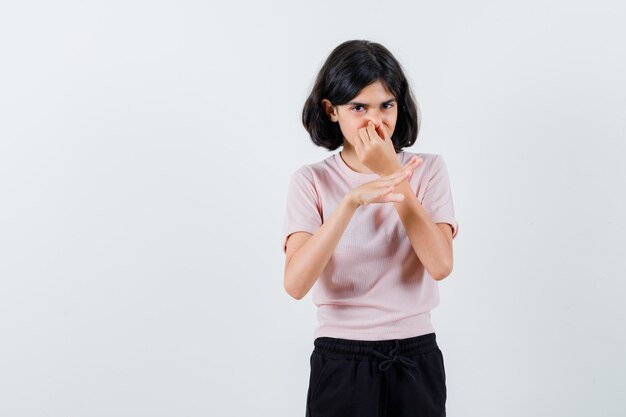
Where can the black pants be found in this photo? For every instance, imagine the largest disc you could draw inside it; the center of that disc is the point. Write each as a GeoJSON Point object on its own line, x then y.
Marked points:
{"type": "Point", "coordinates": [386, 378]}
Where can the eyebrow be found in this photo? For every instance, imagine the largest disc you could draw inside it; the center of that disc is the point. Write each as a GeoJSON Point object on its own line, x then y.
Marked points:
{"type": "Point", "coordinates": [354, 103]}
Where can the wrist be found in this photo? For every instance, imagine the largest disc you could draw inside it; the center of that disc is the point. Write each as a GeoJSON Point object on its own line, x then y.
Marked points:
{"type": "Point", "coordinates": [350, 202]}
{"type": "Point", "coordinates": [392, 169]}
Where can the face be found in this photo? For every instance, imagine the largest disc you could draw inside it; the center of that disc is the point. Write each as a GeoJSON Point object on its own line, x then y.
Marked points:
{"type": "Point", "coordinates": [374, 102]}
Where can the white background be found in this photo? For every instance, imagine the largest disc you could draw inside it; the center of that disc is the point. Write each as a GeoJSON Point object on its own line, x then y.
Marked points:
{"type": "Point", "coordinates": [145, 152]}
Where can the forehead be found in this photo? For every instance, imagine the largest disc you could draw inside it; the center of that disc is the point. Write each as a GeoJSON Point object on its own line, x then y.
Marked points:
{"type": "Point", "coordinates": [375, 93]}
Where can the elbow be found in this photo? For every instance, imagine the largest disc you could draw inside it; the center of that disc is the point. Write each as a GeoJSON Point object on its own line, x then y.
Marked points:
{"type": "Point", "coordinates": [295, 293]}
{"type": "Point", "coordinates": [442, 273]}
{"type": "Point", "coordinates": [439, 277]}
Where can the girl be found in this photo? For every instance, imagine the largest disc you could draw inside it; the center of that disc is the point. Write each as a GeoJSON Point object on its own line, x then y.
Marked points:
{"type": "Point", "coordinates": [370, 230]}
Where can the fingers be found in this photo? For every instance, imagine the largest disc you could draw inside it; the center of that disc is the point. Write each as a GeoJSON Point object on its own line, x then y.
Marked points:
{"type": "Point", "coordinates": [414, 162]}
{"type": "Point", "coordinates": [396, 179]}
{"type": "Point", "coordinates": [400, 175]}
{"type": "Point", "coordinates": [363, 136]}
{"type": "Point", "coordinates": [405, 175]}
{"type": "Point", "coordinates": [384, 130]}
{"type": "Point", "coordinates": [390, 196]}
{"type": "Point", "coordinates": [371, 130]}
{"type": "Point", "coordinates": [386, 188]}
{"type": "Point", "coordinates": [358, 144]}
{"type": "Point", "coordinates": [409, 166]}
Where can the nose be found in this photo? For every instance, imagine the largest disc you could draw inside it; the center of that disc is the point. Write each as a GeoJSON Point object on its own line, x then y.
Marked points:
{"type": "Point", "coordinates": [376, 118]}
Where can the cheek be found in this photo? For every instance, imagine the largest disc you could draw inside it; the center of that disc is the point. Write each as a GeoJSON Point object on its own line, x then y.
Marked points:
{"type": "Point", "coordinates": [391, 122]}
{"type": "Point", "coordinates": [352, 128]}
{"type": "Point", "coordinates": [350, 131]}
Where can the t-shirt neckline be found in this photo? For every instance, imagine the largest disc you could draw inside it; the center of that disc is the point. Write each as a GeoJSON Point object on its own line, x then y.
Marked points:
{"type": "Point", "coordinates": [361, 175]}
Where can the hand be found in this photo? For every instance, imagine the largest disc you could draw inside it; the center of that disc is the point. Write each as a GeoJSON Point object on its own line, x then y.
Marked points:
{"type": "Point", "coordinates": [380, 190]}
{"type": "Point", "coordinates": [375, 150]}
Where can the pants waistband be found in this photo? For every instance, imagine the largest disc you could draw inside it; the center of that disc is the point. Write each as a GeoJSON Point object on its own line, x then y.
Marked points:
{"type": "Point", "coordinates": [387, 352]}
{"type": "Point", "coordinates": [363, 349]}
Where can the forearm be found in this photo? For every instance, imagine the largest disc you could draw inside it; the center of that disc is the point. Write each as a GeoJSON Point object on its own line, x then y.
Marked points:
{"type": "Point", "coordinates": [429, 243]}
{"type": "Point", "coordinates": [308, 261]}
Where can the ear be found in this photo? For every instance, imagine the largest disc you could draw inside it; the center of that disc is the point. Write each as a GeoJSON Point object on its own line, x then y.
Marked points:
{"type": "Point", "coordinates": [330, 110]}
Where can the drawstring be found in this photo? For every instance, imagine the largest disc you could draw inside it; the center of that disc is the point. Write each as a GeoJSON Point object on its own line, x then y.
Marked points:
{"type": "Point", "coordinates": [389, 360]}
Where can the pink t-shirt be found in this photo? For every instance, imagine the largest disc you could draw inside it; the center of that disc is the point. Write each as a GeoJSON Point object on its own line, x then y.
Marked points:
{"type": "Point", "coordinates": [374, 287]}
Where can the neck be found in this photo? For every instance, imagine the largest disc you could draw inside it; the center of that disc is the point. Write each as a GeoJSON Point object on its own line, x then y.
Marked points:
{"type": "Point", "coordinates": [350, 158]}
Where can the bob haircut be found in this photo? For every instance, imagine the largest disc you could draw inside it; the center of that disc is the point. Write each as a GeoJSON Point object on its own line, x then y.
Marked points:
{"type": "Point", "coordinates": [349, 68]}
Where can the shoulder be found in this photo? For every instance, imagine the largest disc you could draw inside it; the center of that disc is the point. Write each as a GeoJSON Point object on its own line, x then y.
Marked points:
{"type": "Point", "coordinates": [307, 171]}
{"type": "Point", "coordinates": [311, 178]}
{"type": "Point", "coordinates": [431, 161]}
{"type": "Point", "coordinates": [312, 172]}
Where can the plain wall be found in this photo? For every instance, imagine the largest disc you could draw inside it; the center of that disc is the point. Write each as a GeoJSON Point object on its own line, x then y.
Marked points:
{"type": "Point", "coordinates": [145, 152]}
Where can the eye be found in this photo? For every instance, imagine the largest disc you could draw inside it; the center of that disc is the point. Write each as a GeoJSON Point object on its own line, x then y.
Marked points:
{"type": "Point", "coordinates": [390, 105]}
{"type": "Point", "coordinates": [354, 108]}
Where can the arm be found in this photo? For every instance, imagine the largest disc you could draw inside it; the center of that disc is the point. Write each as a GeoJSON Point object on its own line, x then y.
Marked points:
{"type": "Point", "coordinates": [431, 242]}
{"type": "Point", "coordinates": [306, 260]}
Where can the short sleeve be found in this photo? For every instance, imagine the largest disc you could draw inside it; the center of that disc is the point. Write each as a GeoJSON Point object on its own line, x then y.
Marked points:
{"type": "Point", "coordinates": [437, 200]}
{"type": "Point", "coordinates": [303, 208]}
